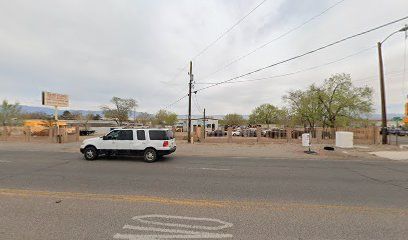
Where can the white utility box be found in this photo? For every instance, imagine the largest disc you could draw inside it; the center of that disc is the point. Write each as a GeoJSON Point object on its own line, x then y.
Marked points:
{"type": "Point", "coordinates": [344, 139]}
{"type": "Point", "coordinates": [306, 139]}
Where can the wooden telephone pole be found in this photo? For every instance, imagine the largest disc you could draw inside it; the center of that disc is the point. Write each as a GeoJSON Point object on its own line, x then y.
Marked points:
{"type": "Point", "coordinates": [382, 90]}
{"type": "Point", "coordinates": [189, 102]}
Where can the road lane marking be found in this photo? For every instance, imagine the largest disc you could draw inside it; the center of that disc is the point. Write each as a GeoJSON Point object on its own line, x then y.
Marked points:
{"type": "Point", "coordinates": [222, 226]}
{"type": "Point", "coordinates": [158, 237]}
{"type": "Point", "coordinates": [205, 168]}
{"type": "Point", "coordinates": [4, 161]}
{"type": "Point", "coordinates": [172, 230]}
{"type": "Point", "coordinates": [196, 202]}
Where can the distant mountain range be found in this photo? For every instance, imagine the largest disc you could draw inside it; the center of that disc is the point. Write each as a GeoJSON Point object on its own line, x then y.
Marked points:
{"type": "Point", "coordinates": [50, 111]}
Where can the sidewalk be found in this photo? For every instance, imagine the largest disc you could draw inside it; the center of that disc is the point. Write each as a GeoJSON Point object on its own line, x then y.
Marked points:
{"type": "Point", "coordinates": [393, 155]}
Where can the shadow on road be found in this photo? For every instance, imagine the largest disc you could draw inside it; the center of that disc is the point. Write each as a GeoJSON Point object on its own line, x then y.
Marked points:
{"type": "Point", "coordinates": [130, 158]}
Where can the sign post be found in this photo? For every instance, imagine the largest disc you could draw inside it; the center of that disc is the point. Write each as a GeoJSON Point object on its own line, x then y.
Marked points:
{"type": "Point", "coordinates": [307, 142]}
{"type": "Point", "coordinates": [56, 100]}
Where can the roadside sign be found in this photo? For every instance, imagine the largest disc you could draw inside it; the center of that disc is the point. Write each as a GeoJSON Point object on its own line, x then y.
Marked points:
{"type": "Point", "coordinates": [55, 99]}
{"type": "Point", "coordinates": [306, 139]}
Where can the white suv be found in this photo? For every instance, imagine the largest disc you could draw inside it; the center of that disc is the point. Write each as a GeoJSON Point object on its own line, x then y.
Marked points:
{"type": "Point", "coordinates": [150, 143]}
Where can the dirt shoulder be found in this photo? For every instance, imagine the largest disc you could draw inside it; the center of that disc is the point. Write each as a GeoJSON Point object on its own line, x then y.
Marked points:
{"type": "Point", "coordinates": [260, 150]}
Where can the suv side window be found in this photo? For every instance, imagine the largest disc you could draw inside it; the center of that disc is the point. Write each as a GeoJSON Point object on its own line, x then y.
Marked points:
{"type": "Point", "coordinates": [141, 135]}
{"type": "Point", "coordinates": [113, 135]}
{"type": "Point", "coordinates": [159, 135]}
{"type": "Point", "coordinates": [125, 135]}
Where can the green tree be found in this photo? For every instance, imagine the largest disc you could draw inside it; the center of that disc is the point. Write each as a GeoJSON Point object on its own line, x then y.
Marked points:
{"type": "Point", "coordinates": [233, 119]}
{"type": "Point", "coordinates": [397, 121]}
{"type": "Point", "coordinates": [164, 118]}
{"type": "Point", "coordinates": [304, 106]}
{"type": "Point", "coordinates": [66, 115]}
{"type": "Point", "coordinates": [335, 103]}
{"type": "Point", "coordinates": [121, 110]}
{"type": "Point", "coordinates": [9, 112]}
{"type": "Point", "coordinates": [342, 102]}
{"type": "Point", "coordinates": [267, 114]}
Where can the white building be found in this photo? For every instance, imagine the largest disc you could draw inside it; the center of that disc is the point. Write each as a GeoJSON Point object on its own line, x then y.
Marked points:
{"type": "Point", "coordinates": [211, 124]}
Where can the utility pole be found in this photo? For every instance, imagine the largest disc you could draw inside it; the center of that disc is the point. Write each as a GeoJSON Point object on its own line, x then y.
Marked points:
{"type": "Point", "coordinates": [189, 102]}
{"type": "Point", "coordinates": [382, 90]}
{"type": "Point", "coordinates": [205, 126]}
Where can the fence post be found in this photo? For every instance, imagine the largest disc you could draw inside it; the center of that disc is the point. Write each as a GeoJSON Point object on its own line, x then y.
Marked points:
{"type": "Point", "coordinates": [377, 135]}
{"type": "Point", "coordinates": [63, 131]}
{"type": "Point", "coordinates": [258, 134]}
{"type": "Point", "coordinates": [27, 134]}
{"type": "Point", "coordinates": [229, 134]}
{"type": "Point", "coordinates": [288, 134]}
{"type": "Point", "coordinates": [76, 133]}
{"type": "Point", "coordinates": [50, 133]}
{"type": "Point", "coordinates": [319, 133]}
{"type": "Point", "coordinates": [5, 133]}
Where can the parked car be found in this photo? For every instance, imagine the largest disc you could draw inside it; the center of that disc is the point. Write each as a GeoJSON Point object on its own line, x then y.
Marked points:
{"type": "Point", "coordinates": [216, 133]}
{"type": "Point", "coordinates": [150, 143]}
{"type": "Point", "coordinates": [396, 131]}
{"type": "Point", "coordinates": [402, 132]}
{"type": "Point", "coordinates": [236, 133]}
{"type": "Point", "coordinates": [86, 132]}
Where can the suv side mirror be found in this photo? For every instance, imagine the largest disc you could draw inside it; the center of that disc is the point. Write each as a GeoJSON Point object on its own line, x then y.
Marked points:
{"type": "Point", "coordinates": [105, 138]}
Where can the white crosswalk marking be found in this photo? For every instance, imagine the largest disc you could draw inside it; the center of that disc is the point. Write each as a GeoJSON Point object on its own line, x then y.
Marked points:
{"type": "Point", "coordinates": [173, 230]}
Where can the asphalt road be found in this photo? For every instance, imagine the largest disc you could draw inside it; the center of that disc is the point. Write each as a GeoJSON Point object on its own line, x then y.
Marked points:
{"type": "Point", "coordinates": [51, 195]}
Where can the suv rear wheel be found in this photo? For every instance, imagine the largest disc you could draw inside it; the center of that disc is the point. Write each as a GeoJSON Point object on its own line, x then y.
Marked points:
{"type": "Point", "coordinates": [150, 155]}
{"type": "Point", "coordinates": [90, 153]}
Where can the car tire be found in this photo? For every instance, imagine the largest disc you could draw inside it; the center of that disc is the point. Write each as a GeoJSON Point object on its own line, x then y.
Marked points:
{"type": "Point", "coordinates": [90, 153]}
{"type": "Point", "coordinates": [150, 155]}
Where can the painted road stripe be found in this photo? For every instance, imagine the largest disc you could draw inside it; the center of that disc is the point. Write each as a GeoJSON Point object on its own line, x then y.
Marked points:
{"type": "Point", "coordinates": [196, 202]}
{"type": "Point", "coordinates": [4, 161]}
{"type": "Point", "coordinates": [165, 230]}
{"type": "Point", "coordinates": [158, 237]}
{"type": "Point", "coordinates": [222, 225]}
{"type": "Point", "coordinates": [205, 168]}
{"type": "Point", "coordinates": [172, 230]}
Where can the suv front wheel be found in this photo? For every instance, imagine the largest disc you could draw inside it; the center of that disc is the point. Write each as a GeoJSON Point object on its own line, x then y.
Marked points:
{"type": "Point", "coordinates": [90, 153]}
{"type": "Point", "coordinates": [150, 155]}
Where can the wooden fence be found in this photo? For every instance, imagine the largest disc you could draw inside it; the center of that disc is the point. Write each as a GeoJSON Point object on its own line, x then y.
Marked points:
{"type": "Point", "coordinates": [370, 135]}
{"type": "Point", "coordinates": [45, 134]}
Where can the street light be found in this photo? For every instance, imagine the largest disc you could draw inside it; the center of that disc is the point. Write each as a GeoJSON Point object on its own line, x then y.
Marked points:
{"type": "Point", "coordinates": [382, 88]}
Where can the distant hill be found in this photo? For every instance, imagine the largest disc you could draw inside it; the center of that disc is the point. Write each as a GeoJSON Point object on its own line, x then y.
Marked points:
{"type": "Point", "coordinates": [377, 116]}
{"type": "Point", "coordinates": [50, 111]}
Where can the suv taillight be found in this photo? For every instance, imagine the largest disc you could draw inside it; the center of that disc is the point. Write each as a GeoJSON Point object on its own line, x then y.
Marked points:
{"type": "Point", "coordinates": [165, 143]}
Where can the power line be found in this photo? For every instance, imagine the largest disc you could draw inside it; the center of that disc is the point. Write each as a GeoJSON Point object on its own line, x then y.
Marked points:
{"type": "Point", "coordinates": [376, 76]}
{"type": "Point", "coordinates": [306, 53]}
{"type": "Point", "coordinates": [198, 107]}
{"type": "Point", "coordinates": [302, 70]}
{"type": "Point", "coordinates": [273, 40]}
{"type": "Point", "coordinates": [178, 100]}
{"type": "Point", "coordinates": [219, 38]}
{"type": "Point", "coordinates": [228, 30]}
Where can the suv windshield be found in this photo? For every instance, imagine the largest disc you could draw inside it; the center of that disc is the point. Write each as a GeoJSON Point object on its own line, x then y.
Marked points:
{"type": "Point", "coordinates": [160, 134]}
